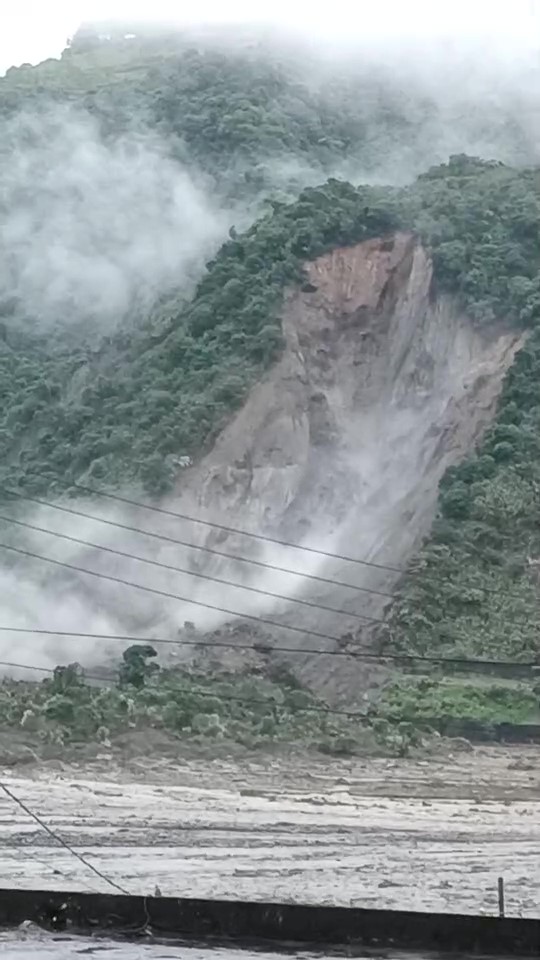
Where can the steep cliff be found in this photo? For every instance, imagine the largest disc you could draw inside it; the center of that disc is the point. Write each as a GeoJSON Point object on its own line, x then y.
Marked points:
{"type": "Point", "coordinates": [382, 385]}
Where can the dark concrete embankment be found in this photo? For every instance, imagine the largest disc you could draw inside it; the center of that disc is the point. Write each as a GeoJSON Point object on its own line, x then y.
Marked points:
{"type": "Point", "coordinates": [242, 923]}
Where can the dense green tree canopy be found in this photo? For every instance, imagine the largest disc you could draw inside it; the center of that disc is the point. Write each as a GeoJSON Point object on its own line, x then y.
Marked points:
{"type": "Point", "coordinates": [78, 406]}
{"type": "Point", "coordinates": [164, 389]}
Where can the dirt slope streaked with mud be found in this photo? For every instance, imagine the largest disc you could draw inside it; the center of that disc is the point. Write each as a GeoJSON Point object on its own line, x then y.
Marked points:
{"type": "Point", "coordinates": [383, 384]}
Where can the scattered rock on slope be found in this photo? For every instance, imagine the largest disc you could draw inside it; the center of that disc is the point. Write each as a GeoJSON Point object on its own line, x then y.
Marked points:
{"type": "Point", "coordinates": [382, 385]}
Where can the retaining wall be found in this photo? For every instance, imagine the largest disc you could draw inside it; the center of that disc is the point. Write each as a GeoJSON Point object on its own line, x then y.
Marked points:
{"type": "Point", "coordinates": [270, 924]}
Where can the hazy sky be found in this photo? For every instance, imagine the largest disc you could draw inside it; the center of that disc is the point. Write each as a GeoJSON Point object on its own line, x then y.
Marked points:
{"type": "Point", "coordinates": [34, 30]}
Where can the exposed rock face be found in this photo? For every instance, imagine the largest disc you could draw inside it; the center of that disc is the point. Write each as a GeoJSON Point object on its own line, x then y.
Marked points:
{"type": "Point", "coordinates": [383, 385]}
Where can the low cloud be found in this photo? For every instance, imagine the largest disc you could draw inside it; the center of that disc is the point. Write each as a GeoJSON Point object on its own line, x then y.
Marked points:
{"type": "Point", "coordinates": [94, 228]}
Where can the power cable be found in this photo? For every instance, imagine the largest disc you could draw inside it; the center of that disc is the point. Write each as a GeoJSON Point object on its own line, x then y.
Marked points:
{"type": "Point", "coordinates": [50, 670]}
{"type": "Point", "coordinates": [304, 631]}
{"type": "Point", "coordinates": [219, 580]}
{"type": "Point", "coordinates": [209, 577]}
{"type": "Point", "coordinates": [25, 666]}
{"type": "Point", "coordinates": [235, 530]}
{"type": "Point", "coordinates": [336, 583]}
{"type": "Point", "coordinates": [186, 572]}
{"type": "Point", "coordinates": [257, 536]}
{"type": "Point", "coordinates": [55, 870]}
{"type": "Point", "coordinates": [173, 596]}
{"type": "Point", "coordinates": [225, 698]}
{"type": "Point", "coordinates": [362, 718]}
{"type": "Point", "coordinates": [194, 546]}
{"type": "Point", "coordinates": [283, 543]}
{"type": "Point", "coordinates": [262, 648]}
{"type": "Point", "coordinates": [60, 840]}
{"type": "Point", "coordinates": [32, 856]}
{"type": "Point", "coordinates": [182, 570]}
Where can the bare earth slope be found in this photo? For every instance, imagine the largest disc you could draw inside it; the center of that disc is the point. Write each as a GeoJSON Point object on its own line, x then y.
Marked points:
{"type": "Point", "coordinates": [383, 384]}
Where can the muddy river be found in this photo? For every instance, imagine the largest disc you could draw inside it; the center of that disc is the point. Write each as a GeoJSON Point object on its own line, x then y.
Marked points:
{"type": "Point", "coordinates": [350, 833]}
{"type": "Point", "coordinates": [26, 946]}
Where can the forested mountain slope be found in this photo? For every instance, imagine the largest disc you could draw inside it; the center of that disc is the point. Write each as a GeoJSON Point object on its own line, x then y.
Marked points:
{"type": "Point", "coordinates": [111, 378]}
{"type": "Point", "coordinates": [255, 111]}
{"type": "Point", "coordinates": [167, 387]}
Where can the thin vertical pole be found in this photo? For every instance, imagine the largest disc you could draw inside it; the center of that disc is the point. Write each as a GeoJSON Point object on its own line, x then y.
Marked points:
{"type": "Point", "coordinates": [501, 896]}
